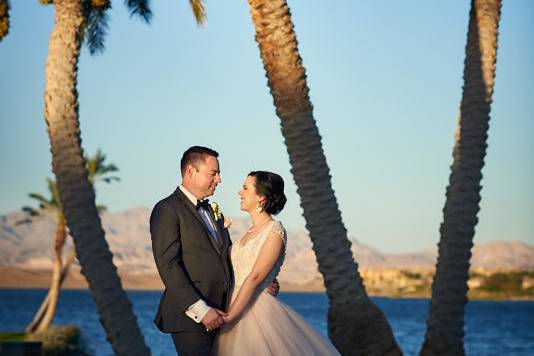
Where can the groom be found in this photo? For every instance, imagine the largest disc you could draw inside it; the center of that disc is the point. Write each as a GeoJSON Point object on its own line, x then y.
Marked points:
{"type": "Point", "coordinates": [191, 250]}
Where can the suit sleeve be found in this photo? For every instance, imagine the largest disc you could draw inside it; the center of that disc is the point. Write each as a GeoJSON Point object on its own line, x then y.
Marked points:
{"type": "Point", "coordinates": [166, 246]}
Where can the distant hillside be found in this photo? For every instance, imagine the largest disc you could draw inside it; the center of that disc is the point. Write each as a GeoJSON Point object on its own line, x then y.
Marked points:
{"type": "Point", "coordinates": [29, 247]}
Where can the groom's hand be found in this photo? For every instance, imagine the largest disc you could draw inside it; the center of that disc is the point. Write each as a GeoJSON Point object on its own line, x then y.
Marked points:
{"type": "Point", "coordinates": [273, 288]}
{"type": "Point", "coordinates": [212, 320]}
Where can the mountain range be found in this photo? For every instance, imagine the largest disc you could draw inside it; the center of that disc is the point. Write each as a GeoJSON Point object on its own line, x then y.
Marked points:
{"type": "Point", "coordinates": [28, 245]}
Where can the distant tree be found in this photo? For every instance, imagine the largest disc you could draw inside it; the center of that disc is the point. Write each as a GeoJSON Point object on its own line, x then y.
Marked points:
{"type": "Point", "coordinates": [52, 205]}
{"type": "Point", "coordinates": [98, 170]}
{"type": "Point", "coordinates": [445, 325]}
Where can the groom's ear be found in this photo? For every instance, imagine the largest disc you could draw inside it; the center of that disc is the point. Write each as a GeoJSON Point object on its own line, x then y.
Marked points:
{"type": "Point", "coordinates": [189, 170]}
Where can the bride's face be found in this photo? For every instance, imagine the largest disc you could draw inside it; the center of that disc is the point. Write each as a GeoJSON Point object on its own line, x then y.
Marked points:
{"type": "Point", "coordinates": [248, 196]}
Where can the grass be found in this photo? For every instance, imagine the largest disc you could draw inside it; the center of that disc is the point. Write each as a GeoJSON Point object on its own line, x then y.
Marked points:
{"type": "Point", "coordinates": [11, 336]}
{"type": "Point", "coordinates": [56, 340]}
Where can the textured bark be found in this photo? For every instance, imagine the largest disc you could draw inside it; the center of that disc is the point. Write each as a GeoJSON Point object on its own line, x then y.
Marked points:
{"type": "Point", "coordinates": [4, 19]}
{"type": "Point", "coordinates": [77, 195]}
{"type": "Point", "coordinates": [445, 325]}
{"type": "Point", "coordinates": [355, 324]}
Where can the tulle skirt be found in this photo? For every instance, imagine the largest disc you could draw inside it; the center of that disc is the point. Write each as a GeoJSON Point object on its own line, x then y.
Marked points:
{"type": "Point", "coordinates": [269, 327]}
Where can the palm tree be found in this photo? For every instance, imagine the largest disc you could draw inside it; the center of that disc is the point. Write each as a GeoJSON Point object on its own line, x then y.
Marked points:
{"type": "Point", "coordinates": [4, 18]}
{"type": "Point", "coordinates": [74, 18]}
{"type": "Point", "coordinates": [445, 325]}
{"type": "Point", "coordinates": [355, 324]}
{"type": "Point", "coordinates": [53, 206]}
{"type": "Point", "coordinates": [98, 170]}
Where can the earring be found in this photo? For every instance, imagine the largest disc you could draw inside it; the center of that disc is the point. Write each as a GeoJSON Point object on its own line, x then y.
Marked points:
{"type": "Point", "coordinates": [259, 209]}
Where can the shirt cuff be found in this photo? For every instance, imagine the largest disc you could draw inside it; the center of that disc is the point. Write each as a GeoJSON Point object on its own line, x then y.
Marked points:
{"type": "Point", "coordinates": [198, 310]}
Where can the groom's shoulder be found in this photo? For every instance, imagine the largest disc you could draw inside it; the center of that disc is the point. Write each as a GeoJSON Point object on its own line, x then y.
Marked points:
{"type": "Point", "coordinates": [167, 202]}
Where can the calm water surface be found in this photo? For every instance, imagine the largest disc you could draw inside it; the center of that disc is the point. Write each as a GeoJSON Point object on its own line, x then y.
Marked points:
{"type": "Point", "coordinates": [492, 328]}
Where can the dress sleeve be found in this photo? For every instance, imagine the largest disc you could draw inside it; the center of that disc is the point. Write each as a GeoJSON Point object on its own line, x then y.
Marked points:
{"type": "Point", "coordinates": [278, 230]}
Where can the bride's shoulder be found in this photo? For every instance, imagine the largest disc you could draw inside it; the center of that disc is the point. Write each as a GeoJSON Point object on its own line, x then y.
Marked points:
{"type": "Point", "coordinates": [278, 229]}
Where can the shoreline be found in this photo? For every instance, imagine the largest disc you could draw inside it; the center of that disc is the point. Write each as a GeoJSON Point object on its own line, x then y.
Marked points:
{"type": "Point", "coordinates": [18, 278]}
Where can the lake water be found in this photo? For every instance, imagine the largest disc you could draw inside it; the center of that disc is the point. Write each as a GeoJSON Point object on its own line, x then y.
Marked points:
{"type": "Point", "coordinates": [492, 328]}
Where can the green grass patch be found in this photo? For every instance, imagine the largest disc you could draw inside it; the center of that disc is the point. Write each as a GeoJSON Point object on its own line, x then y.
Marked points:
{"type": "Point", "coordinates": [12, 336]}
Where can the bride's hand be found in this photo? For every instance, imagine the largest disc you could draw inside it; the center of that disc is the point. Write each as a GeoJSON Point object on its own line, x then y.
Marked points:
{"type": "Point", "coordinates": [223, 314]}
{"type": "Point", "coordinates": [227, 318]}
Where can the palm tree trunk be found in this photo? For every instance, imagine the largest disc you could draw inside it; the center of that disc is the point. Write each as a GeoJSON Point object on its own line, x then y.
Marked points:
{"type": "Point", "coordinates": [44, 305]}
{"type": "Point", "coordinates": [4, 19]}
{"type": "Point", "coordinates": [445, 325]}
{"type": "Point", "coordinates": [53, 292]}
{"type": "Point", "coordinates": [77, 195]}
{"type": "Point", "coordinates": [355, 324]}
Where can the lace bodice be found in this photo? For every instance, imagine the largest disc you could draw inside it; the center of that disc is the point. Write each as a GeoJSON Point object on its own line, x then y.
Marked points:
{"type": "Point", "coordinates": [244, 257]}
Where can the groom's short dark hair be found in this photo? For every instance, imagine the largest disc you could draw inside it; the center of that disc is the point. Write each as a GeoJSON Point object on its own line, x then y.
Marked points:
{"type": "Point", "coordinates": [195, 154]}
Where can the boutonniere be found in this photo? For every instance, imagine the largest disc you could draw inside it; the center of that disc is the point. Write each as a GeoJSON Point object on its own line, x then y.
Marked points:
{"type": "Point", "coordinates": [216, 211]}
{"type": "Point", "coordinates": [219, 215]}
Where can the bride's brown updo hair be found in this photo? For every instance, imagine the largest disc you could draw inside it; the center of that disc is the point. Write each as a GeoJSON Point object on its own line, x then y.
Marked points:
{"type": "Point", "coordinates": [271, 186]}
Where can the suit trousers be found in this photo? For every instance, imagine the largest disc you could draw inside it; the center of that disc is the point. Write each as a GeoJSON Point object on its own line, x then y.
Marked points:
{"type": "Point", "coordinates": [194, 343]}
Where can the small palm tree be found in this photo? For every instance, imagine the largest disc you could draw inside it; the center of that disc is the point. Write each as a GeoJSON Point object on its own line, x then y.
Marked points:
{"type": "Point", "coordinates": [98, 170]}
{"type": "Point", "coordinates": [51, 205]}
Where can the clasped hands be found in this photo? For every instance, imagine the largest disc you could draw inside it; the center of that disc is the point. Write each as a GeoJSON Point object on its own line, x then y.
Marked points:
{"type": "Point", "coordinates": [213, 319]}
{"type": "Point", "coordinates": [216, 318]}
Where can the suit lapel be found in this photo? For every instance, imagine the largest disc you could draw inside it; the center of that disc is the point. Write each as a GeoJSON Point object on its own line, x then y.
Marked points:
{"type": "Point", "coordinates": [189, 205]}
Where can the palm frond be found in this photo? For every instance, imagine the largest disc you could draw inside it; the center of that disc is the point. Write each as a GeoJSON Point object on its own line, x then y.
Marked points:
{"type": "Point", "coordinates": [41, 199]}
{"type": "Point", "coordinates": [199, 11]}
{"type": "Point", "coordinates": [96, 25]}
{"type": "Point", "coordinates": [30, 211]}
{"type": "Point", "coordinates": [97, 169]}
{"type": "Point", "coordinates": [101, 208]}
{"type": "Point", "coordinates": [4, 18]}
{"type": "Point", "coordinates": [108, 180]}
{"type": "Point", "coordinates": [24, 221]}
{"type": "Point", "coordinates": [105, 169]}
{"type": "Point", "coordinates": [139, 8]}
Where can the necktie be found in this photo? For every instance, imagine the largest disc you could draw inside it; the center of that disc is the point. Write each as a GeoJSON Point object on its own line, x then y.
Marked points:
{"type": "Point", "coordinates": [203, 209]}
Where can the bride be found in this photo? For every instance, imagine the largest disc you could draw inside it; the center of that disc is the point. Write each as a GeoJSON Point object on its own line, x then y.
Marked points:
{"type": "Point", "coordinates": [257, 323]}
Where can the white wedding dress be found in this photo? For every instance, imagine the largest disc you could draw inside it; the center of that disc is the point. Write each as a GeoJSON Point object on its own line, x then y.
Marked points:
{"type": "Point", "coordinates": [267, 326]}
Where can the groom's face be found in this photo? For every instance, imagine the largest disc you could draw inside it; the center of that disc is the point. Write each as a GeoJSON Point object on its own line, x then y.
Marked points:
{"type": "Point", "coordinates": [206, 176]}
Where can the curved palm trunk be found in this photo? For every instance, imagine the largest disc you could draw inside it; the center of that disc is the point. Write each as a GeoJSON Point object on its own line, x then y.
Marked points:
{"type": "Point", "coordinates": [4, 18]}
{"type": "Point", "coordinates": [44, 305]}
{"type": "Point", "coordinates": [355, 325]}
{"type": "Point", "coordinates": [77, 195]}
{"type": "Point", "coordinates": [53, 292]}
{"type": "Point", "coordinates": [445, 325]}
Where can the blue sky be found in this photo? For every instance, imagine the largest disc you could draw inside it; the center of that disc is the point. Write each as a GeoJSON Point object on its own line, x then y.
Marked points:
{"type": "Point", "coordinates": [385, 79]}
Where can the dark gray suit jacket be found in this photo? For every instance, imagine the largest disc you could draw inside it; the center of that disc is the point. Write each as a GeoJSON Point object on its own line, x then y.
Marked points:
{"type": "Point", "coordinates": [191, 265]}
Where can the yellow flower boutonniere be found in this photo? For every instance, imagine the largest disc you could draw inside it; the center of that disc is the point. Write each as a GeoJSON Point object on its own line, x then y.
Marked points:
{"type": "Point", "coordinates": [216, 211]}
{"type": "Point", "coordinates": [219, 215]}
